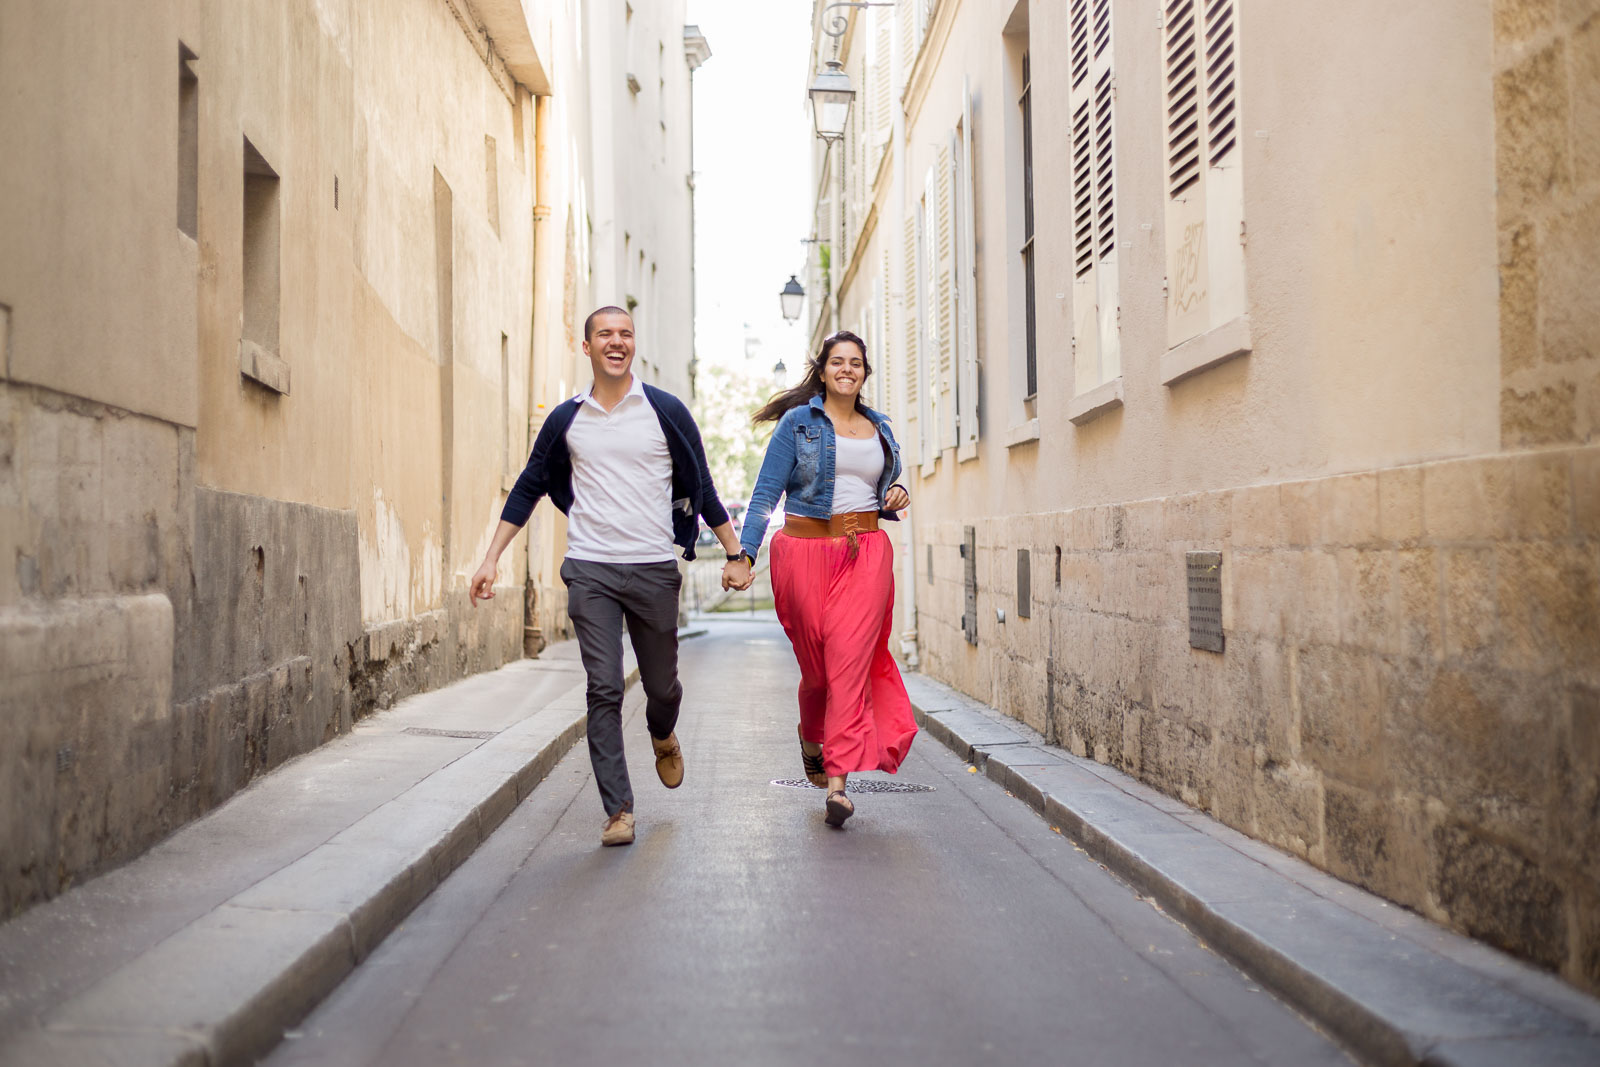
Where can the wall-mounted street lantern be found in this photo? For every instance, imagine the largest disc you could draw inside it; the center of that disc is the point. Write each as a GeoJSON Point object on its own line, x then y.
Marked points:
{"type": "Point", "coordinates": [790, 298]}
{"type": "Point", "coordinates": [831, 96]}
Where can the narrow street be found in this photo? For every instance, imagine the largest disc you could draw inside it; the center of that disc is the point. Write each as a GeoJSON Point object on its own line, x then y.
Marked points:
{"type": "Point", "coordinates": [948, 926]}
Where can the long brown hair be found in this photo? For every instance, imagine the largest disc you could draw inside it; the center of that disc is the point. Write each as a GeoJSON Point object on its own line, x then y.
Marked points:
{"type": "Point", "coordinates": [811, 385]}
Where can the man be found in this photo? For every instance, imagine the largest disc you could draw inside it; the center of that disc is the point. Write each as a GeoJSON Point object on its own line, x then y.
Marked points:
{"type": "Point", "coordinates": [625, 463]}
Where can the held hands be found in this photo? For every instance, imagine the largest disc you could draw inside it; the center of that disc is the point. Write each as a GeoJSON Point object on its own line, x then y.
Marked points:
{"type": "Point", "coordinates": [736, 575]}
{"type": "Point", "coordinates": [896, 499]}
{"type": "Point", "coordinates": [482, 583]}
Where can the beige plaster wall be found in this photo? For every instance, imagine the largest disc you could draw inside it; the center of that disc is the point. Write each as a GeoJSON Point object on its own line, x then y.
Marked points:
{"type": "Point", "coordinates": [1370, 215]}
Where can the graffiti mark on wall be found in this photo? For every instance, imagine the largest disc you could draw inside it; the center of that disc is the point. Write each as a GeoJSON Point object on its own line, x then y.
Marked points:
{"type": "Point", "coordinates": [1187, 258]}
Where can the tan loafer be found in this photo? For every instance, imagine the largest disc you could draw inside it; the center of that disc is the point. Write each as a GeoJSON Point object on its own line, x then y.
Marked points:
{"type": "Point", "coordinates": [669, 760]}
{"type": "Point", "coordinates": [618, 829]}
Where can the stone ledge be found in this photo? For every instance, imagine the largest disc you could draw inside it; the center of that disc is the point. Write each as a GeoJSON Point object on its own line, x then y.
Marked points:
{"type": "Point", "coordinates": [1023, 433]}
{"type": "Point", "coordinates": [1214, 347]}
{"type": "Point", "coordinates": [1396, 989]}
{"type": "Point", "coordinates": [1087, 407]}
{"type": "Point", "coordinates": [263, 367]}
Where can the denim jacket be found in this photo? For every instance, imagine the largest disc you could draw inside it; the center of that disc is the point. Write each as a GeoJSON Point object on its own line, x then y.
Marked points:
{"type": "Point", "coordinates": [799, 463]}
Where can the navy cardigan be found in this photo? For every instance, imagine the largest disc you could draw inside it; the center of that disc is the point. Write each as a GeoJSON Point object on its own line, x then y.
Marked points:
{"type": "Point", "coordinates": [549, 469]}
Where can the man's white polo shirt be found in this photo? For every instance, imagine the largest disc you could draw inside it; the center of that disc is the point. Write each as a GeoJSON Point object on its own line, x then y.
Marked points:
{"type": "Point", "coordinates": [621, 482]}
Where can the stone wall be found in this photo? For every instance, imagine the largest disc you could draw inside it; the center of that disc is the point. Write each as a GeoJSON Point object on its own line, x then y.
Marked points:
{"type": "Point", "coordinates": [1547, 109]}
{"type": "Point", "coordinates": [171, 642]}
{"type": "Point", "coordinates": [1409, 695]}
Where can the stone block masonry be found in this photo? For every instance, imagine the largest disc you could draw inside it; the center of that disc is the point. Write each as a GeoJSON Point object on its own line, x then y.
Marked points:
{"type": "Point", "coordinates": [1410, 692]}
{"type": "Point", "coordinates": [168, 643]}
{"type": "Point", "coordinates": [1547, 106]}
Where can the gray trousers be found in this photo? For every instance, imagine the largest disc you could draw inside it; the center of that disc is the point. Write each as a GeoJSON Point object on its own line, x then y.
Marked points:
{"type": "Point", "coordinates": [599, 597]}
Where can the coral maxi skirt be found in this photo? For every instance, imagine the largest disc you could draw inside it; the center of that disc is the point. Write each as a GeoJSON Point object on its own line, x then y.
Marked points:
{"type": "Point", "coordinates": [838, 610]}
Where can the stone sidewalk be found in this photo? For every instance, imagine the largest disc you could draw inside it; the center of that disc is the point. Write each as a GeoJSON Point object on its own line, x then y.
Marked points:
{"type": "Point", "coordinates": [204, 949]}
{"type": "Point", "coordinates": [1392, 986]}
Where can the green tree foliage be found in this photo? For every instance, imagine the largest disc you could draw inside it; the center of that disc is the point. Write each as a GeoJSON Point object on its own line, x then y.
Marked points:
{"type": "Point", "coordinates": [725, 398]}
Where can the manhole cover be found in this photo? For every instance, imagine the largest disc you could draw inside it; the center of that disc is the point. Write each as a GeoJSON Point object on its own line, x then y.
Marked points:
{"type": "Point", "coordinates": [471, 735]}
{"type": "Point", "coordinates": [868, 785]}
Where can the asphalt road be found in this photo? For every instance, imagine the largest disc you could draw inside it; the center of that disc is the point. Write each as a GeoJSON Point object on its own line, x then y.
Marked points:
{"type": "Point", "coordinates": [944, 927]}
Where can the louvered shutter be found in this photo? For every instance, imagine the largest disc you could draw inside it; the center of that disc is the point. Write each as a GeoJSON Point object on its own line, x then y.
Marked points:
{"type": "Point", "coordinates": [967, 261]}
{"type": "Point", "coordinates": [928, 276]}
{"type": "Point", "coordinates": [882, 90]}
{"type": "Point", "coordinates": [906, 30]}
{"type": "Point", "coordinates": [1095, 342]}
{"type": "Point", "coordinates": [1188, 280]}
{"type": "Point", "coordinates": [910, 345]}
{"type": "Point", "coordinates": [947, 293]}
{"type": "Point", "coordinates": [887, 351]}
{"type": "Point", "coordinates": [1205, 188]}
{"type": "Point", "coordinates": [1224, 179]}
{"type": "Point", "coordinates": [1078, 41]}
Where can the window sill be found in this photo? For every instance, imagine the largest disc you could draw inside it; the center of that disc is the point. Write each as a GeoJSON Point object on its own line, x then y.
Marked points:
{"type": "Point", "coordinates": [1023, 434]}
{"type": "Point", "coordinates": [1214, 347]}
{"type": "Point", "coordinates": [263, 367]}
{"type": "Point", "coordinates": [1096, 402]}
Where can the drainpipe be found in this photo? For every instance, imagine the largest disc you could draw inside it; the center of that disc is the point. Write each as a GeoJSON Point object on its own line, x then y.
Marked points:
{"type": "Point", "coordinates": [547, 266]}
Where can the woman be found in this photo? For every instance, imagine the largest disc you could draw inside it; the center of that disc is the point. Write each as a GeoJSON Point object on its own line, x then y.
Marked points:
{"type": "Point", "coordinates": [832, 568]}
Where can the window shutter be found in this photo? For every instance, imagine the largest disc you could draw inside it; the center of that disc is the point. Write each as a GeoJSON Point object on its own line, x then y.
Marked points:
{"type": "Point", "coordinates": [1183, 98]}
{"type": "Point", "coordinates": [910, 343]}
{"type": "Point", "coordinates": [1221, 84]}
{"type": "Point", "coordinates": [947, 294]}
{"type": "Point", "coordinates": [906, 18]}
{"type": "Point", "coordinates": [1096, 346]}
{"type": "Point", "coordinates": [1085, 281]}
{"type": "Point", "coordinates": [882, 90]}
{"type": "Point", "coordinates": [1102, 27]}
{"type": "Point", "coordinates": [1107, 296]}
{"type": "Point", "coordinates": [1078, 41]}
{"type": "Point", "coordinates": [967, 382]}
{"type": "Point", "coordinates": [1082, 189]}
{"type": "Point", "coordinates": [928, 276]}
{"type": "Point", "coordinates": [1224, 182]}
{"type": "Point", "coordinates": [886, 353]}
{"type": "Point", "coordinates": [1188, 313]}
{"type": "Point", "coordinates": [1104, 205]}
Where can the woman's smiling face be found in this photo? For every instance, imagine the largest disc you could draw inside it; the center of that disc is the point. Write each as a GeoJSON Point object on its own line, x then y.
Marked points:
{"type": "Point", "coordinates": [845, 370]}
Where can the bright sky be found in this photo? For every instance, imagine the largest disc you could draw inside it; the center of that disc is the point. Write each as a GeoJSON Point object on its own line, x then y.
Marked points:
{"type": "Point", "coordinates": [752, 144]}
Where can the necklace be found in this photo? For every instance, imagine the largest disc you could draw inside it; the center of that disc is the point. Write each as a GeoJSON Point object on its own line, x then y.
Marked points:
{"type": "Point", "coordinates": [859, 429]}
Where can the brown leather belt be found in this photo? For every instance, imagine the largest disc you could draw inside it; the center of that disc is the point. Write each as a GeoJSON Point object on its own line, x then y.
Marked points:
{"type": "Point", "coordinates": [850, 522]}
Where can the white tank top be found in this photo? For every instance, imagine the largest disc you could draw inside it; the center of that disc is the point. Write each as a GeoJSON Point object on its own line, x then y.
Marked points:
{"type": "Point", "coordinates": [857, 466]}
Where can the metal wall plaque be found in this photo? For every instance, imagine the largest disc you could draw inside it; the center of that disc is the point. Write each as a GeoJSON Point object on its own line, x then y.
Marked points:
{"type": "Point", "coordinates": [1024, 584]}
{"type": "Point", "coordinates": [1205, 600]}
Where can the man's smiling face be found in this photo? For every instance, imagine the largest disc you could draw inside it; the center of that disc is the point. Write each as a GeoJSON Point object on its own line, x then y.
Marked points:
{"type": "Point", "coordinates": [609, 346]}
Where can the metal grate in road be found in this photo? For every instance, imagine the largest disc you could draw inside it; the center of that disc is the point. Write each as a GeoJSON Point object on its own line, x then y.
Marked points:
{"type": "Point", "coordinates": [471, 735]}
{"type": "Point", "coordinates": [870, 785]}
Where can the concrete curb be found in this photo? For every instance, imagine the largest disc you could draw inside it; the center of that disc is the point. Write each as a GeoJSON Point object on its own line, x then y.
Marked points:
{"type": "Point", "coordinates": [1392, 986]}
{"type": "Point", "coordinates": [222, 989]}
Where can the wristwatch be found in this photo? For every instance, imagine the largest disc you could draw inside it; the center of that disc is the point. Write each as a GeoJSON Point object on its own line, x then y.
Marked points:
{"type": "Point", "coordinates": [735, 557]}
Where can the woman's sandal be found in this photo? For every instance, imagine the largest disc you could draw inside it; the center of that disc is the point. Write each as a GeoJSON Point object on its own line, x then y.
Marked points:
{"type": "Point", "coordinates": [839, 808]}
{"type": "Point", "coordinates": [815, 773]}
